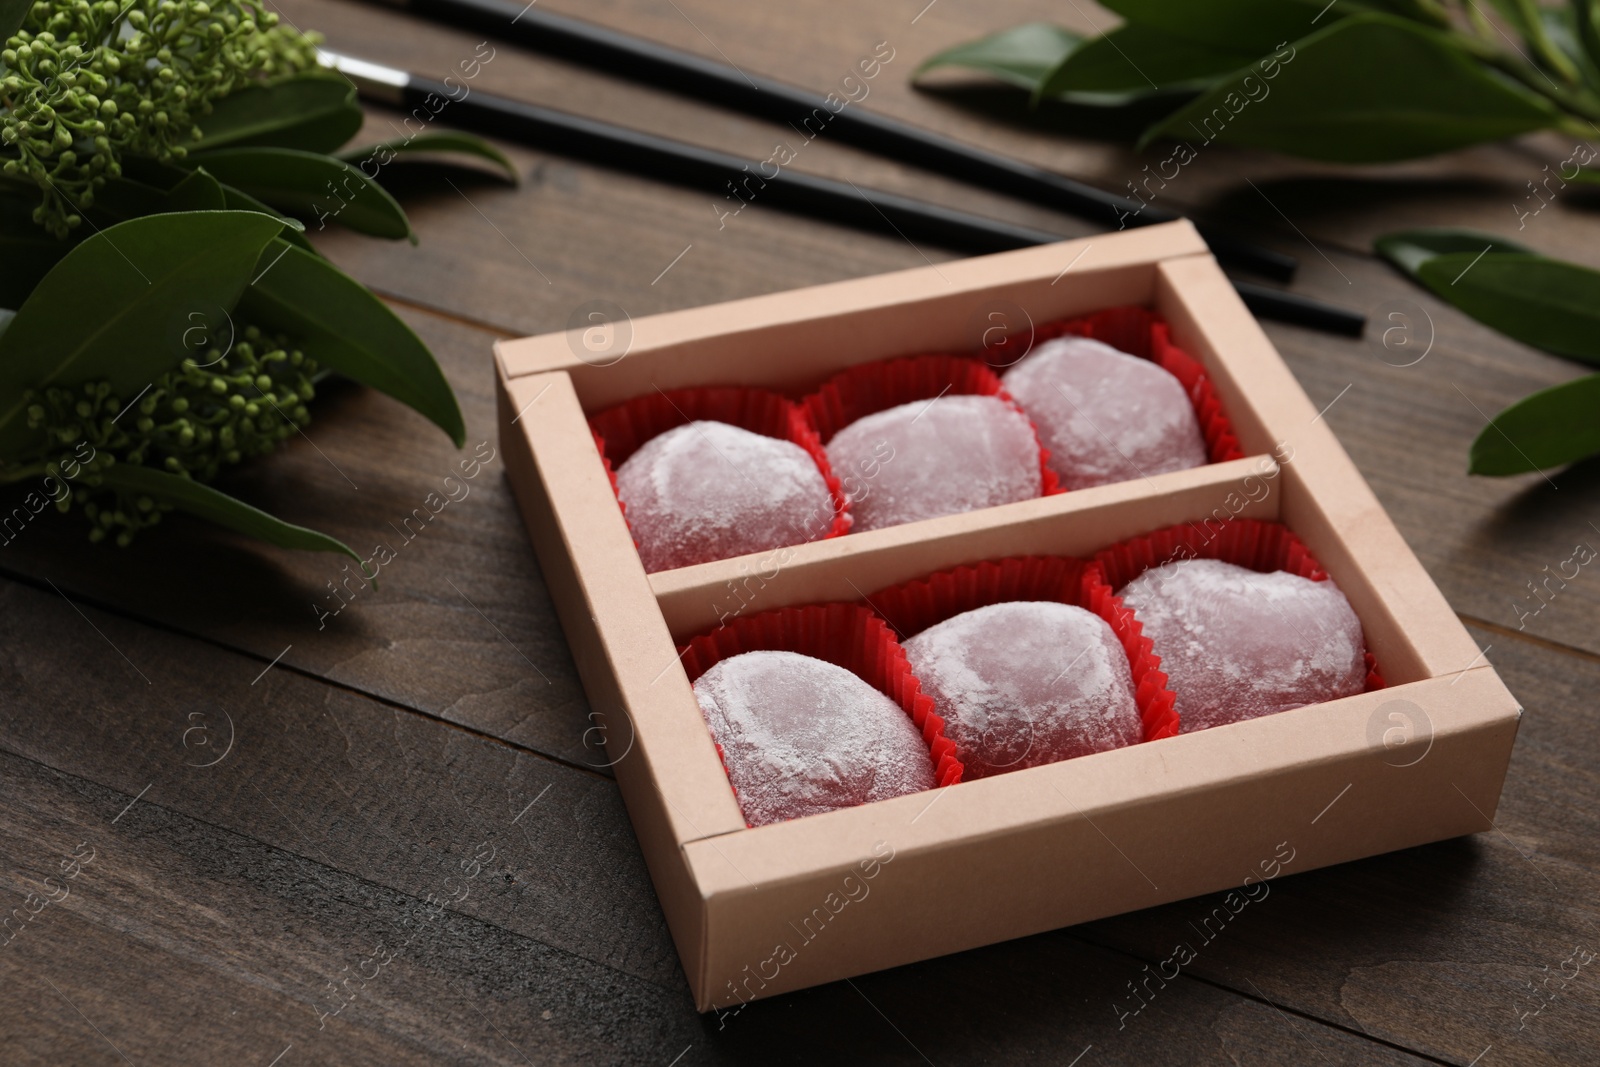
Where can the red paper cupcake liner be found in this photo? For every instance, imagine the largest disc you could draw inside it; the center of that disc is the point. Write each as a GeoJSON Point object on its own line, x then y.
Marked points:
{"type": "Point", "coordinates": [912, 607]}
{"type": "Point", "coordinates": [846, 635]}
{"type": "Point", "coordinates": [873, 387]}
{"type": "Point", "coordinates": [622, 430]}
{"type": "Point", "coordinates": [1260, 546]}
{"type": "Point", "coordinates": [1141, 332]}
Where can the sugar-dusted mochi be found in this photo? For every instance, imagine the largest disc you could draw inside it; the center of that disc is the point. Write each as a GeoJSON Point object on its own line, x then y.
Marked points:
{"type": "Point", "coordinates": [708, 490]}
{"type": "Point", "coordinates": [1104, 415]}
{"type": "Point", "coordinates": [800, 736]}
{"type": "Point", "coordinates": [1026, 682]}
{"type": "Point", "coordinates": [935, 457]}
{"type": "Point", "coordinates": [1236, 644]}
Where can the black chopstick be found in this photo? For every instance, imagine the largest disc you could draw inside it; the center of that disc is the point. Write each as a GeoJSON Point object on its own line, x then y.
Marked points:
{"type": "Point", "coordinates": [1279, 306]}
{"type": "Point", "coordinates": [727, 86]}
{"type": "Point", "coordinates": [662, 158]}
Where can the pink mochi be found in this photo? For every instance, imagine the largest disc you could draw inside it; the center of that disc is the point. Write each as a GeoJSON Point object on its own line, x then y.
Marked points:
{"type": "Point", "coordinates": [936, 457]}
{"type": "Point", "coordinates": [1104, 415]}
{"type": "Point", "coordinates": [801, 736]}
{"type": "Point", "coordinates": [1237, 644]}
{"type": "Point", "coordinates": [708, 490]}
{"type": "Point", "coordinates": [1026, 682]}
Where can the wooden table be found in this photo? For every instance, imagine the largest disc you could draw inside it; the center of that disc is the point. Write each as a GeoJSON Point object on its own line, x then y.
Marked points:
{"type": "Point", "coordinates": [270, 804]}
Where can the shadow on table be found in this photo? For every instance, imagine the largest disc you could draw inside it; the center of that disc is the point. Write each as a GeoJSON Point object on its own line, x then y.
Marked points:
{"type": "Point", "coordinates": [1310, 198]}
{"type": "Point", "coordinates": [1067, 989]}
{"type": "Point", "coordinates": [1560, 499]}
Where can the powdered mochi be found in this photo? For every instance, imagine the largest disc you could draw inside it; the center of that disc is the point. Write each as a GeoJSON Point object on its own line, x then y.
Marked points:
{"type": "Point", "coordinates": [801, 736]}
{"type": "Point", "coordinates": [1024, 683]}
{"type": "Point", "coordinates": [707, 490]}
{"type": "Point", "coordinates": [1104, 415]}
{"type": "Point", "coordinates": [1236, 644]}
{"type": "Point", "coordinates": [935, 457]}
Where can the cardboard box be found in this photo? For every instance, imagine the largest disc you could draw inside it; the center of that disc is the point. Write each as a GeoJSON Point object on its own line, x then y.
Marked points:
{"type": "Point", "coordinates": [756, 912]}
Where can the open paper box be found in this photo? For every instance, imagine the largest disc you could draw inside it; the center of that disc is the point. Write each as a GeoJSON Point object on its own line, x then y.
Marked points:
{"type": "Point", "coordinates": [756, 912]}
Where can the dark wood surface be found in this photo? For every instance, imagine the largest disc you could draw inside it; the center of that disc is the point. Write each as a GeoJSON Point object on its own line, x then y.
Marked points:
{"type": "Point", "coordinates": [392, 755]}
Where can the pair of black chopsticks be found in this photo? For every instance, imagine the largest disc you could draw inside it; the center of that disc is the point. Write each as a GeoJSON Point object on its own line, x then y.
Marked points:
{"type": "Point", "coordinates": [735, 179]}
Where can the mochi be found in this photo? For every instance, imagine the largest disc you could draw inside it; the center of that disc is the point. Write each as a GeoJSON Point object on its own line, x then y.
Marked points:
{"type": "Point", "coordinates": [1026, 682]}
{"type": "Point", "coordinates": [1236, 644]}
{"type": "Point", "coordinates": [708, 490]}
{"type": "Point", "coordinates": [800, 736]}
{"type": "Point", "coordinates": [1104, 415]}
{"type": "Point", "coordinates": [935, 457]}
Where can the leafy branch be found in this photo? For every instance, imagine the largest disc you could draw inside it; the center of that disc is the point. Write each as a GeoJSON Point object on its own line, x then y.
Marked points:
{"type": "Point", "coordinates": [1547, 303]}
{"type": "Point", "coordinates": [185, 328]}
{"type": "Point", "coordinates": [1357, 81]}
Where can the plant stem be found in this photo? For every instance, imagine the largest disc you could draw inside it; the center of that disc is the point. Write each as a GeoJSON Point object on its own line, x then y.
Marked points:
{"type": "Point", "coordinates": [17, 474]}
{"type": "Point", "coordinates": [1479, 23]}
{"type": "Point", "coordinates": [1580, 103]}
{"type": "Point", "coordinates": [1534, 31]}
{"type": "Point", "coordinates": [1578, 128]}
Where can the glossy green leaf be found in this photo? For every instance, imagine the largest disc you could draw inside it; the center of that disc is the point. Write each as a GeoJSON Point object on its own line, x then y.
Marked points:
{"type": "Point", "coordinates": [1526, 19]}
{"type": "Point", "coordinates": [1022, 56]}
{"type": "Point", "coordinates": [1252, 26]}
{"type": "Point", "coordinates": [1552, 427]}
{"type": "Point", "coordinates": [1429, 12]}
{"type": "Point", "coordinates": [1586, 24]}
{"type": "Point", "coordinates": [1136, 57]}
{"type": "Point", "coordinates": [1409, 249]}
{"type": "Point", "coordinates": [27, 252]}
{"type": "Point", "coordinates": [1563, 28]}
{"type": "Point", "coordinates": [294, 231]}
{"type": "Point", "coordinates": [213, 505]}
{"type": "Point", "coordinates": [114, 307]}
{"type": "Point", "coordinates": [451, 143]}
{"type": "Point", "coordinates": [12, 12]}
{"type": "Point", "coordinates": [346, 328]}
{"type": "Point", "coordinates": [315, 111]}
{"type": "Point", "coordinates": [311, 185]}
{"type": "Point", "coordinates": [124, 198]}
{"type": "Point", "coordinates": [1368, 89]}
{"type": "Point", "coordinates": [1546, 303]}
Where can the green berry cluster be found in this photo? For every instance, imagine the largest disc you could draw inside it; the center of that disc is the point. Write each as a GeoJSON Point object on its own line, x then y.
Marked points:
{"type": "Point", "coordinates": [210, 413]}
{"type": "Point", "coordinates": [85, 81]}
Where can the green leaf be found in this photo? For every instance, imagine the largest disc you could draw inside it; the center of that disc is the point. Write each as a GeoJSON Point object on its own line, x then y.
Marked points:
{"type": "Point", "coordinates": [1023, 55]}
{"type": "Point", "coordinates": [1546, 303]}
{"type": "Point", "coordinates": [446, 143]}
{"type": "Point", "coordinates": [344, 327]}
{"type": "Point", "coordinates": [27, 252]}
{"type": "Point", "coordinates": [1137, 57]}
{"type": "Point", "coordinates": [124, 198]}
{"type": "Point", "coordinates": [12, 13]}
{"type": "Point", "coordinates": [1552, 427]}
{"type": "Point", "coordinates": [1524, 17]}
{"type": "Point", "coordinates": [1252, 26]}
{"type": "Point", "coordinates": [311, 185]}
{"type": "Point", "coordinates": [114, 307]}
{"type": "Point", "coordinates": [1564, 29]}
{"type": "Point", "coordinates": [1409, 249]}
{"type": "Point", "coordinates": [1368, 89]}
{"type": "Point", "coordinates": [294, 229]}
{"type": "Point", "coordinates": [1586, 22]}
{"type": "Point", "coordinates": [213, 505]}
{"type": "Point", "coordinates": [314, 111]}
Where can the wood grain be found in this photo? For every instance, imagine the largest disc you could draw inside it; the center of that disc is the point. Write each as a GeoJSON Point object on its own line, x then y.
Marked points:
{"type": "Point", "coordinates": [269, 882]}
{"type": "Point", "coordinates": [380, 749]}
{"type": "Point", "coordinates": [1435, 948]}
